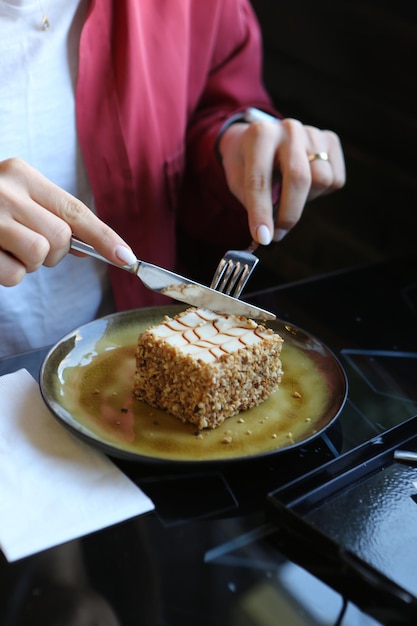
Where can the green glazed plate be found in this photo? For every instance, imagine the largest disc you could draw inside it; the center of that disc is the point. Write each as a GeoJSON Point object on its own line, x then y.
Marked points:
{"type": "Point", "coordinates": [86, 380]}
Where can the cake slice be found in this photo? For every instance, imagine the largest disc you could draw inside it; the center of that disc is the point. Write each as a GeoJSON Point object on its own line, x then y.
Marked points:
{"type": "Point", "coordinates": [204, 367]}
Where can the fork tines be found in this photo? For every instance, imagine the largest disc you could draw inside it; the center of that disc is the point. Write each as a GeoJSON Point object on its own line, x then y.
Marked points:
{"type": "Point", "coordinates": [233, 272]}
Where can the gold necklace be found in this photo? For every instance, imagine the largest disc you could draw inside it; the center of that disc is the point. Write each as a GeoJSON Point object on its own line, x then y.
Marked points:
{"type": "Point", "coordinates": [45, 24]}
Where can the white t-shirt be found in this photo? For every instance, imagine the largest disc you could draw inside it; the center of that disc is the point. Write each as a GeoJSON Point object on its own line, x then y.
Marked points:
{"type": "Point", "coordinates": [38, 71]}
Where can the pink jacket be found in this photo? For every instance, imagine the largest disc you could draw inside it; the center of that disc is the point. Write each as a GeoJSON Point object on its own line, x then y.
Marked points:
{"type": "Point", "coordinates": [156, 81]}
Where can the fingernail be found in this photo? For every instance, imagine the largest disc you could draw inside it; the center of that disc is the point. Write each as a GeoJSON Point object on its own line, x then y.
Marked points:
{"type": "Point", "coordinates": [264, 236]}
{"type": "Point", "coordinates": [279, 234]}
{"type": "Point", "coordinates": [125, 255]}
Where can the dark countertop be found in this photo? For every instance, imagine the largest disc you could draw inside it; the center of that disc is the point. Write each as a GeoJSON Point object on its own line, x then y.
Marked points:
{"type": "Point", "coordinates": [207, 555]}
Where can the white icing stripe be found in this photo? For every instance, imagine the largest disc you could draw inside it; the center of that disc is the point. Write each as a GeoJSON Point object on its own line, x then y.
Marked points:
{"type": "Point", "coordinates": [206, 335]}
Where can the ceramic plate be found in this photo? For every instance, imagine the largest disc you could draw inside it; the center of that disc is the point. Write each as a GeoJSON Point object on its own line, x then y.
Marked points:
{"type": "Point", "coordinates": [86, 381]}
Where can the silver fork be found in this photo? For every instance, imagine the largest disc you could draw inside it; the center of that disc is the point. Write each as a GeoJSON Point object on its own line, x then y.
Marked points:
{"type": "Point", "coordinates": [235, 268]}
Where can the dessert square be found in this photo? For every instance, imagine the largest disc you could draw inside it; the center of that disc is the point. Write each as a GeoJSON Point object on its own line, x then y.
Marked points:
{"type": "Point", "coordinates": [204, 367]}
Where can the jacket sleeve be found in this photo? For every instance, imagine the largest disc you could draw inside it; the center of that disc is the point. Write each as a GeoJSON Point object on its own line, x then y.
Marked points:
{"type": "Point", "coordinates": [208, 210]}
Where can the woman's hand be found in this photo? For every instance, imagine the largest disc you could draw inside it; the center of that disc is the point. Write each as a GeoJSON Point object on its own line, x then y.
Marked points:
{"type": "Point", "coordinates": [253, 155]}
{"type": "Point", "coordinates": [37, 219]}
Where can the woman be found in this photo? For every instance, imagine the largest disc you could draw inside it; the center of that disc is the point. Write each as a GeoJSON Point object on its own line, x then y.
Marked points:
{"type": "Point", "coordinates": [114, 127]}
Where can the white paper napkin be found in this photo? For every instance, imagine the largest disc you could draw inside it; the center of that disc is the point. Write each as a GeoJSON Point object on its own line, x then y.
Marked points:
{"type": "Point", "coordinates": [53, 487]}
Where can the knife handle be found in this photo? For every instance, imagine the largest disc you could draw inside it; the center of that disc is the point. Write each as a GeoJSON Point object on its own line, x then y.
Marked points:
{"type": "Point", "coordinates": [85, 248]}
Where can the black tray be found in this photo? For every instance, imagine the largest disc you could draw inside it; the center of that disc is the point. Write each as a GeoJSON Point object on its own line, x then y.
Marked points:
{"type": "Point", "coordinates": [353, 524]}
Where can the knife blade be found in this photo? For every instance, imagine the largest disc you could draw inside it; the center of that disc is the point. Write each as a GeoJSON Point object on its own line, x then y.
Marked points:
{"type": "Point", "coordinates": [180, 288]}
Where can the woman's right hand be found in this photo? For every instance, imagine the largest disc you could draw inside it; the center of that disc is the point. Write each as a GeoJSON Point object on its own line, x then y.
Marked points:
{"type": "Point", "coordinates": [37, 219]}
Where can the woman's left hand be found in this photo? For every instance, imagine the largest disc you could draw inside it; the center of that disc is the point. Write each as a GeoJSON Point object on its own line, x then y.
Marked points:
{"type": "Point", "coordinates": [309, 162]}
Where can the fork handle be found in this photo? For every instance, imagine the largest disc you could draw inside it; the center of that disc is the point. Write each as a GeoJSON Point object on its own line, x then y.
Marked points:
{"type": "Point", "coordinates": [252, 246]}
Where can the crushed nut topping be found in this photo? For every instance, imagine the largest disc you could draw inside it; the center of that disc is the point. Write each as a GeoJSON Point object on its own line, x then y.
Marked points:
{"type": "Point", "coordinates": [204, 367]}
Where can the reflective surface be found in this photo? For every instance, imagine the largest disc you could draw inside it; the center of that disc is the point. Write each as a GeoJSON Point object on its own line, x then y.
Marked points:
{"type": "Point", "coordinates": [376, 520]}
{"type": "Point", "coordinates": [210, 555]}
{"type": "Point", "coordinates": [87, 381]}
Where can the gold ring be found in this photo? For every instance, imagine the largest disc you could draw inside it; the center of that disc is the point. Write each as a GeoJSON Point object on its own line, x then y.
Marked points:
{"type": "Point", "coordinates": [318, 156]}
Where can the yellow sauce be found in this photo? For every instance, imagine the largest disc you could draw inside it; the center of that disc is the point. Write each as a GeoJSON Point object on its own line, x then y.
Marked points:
{"type": "Point", "coordinates": [98, 394]}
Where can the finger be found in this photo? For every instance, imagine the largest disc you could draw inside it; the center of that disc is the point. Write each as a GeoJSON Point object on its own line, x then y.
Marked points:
{"type": "Point", "coordinates": [259, 156]}
{"type": "Point", "coordinates": [32, 234]}
{"type": "Point", "coordinates": [326, 162]}
{"type": "Point", "coordinates": [22, 249]}
{"type": "Point", "coordinates": [85, 225]}
{"type": "Point", "coordinates": [296, 177]}
{"type": "Point", "coordinates": [23, 241]}
{"type": "Point", "coordinates": [64, 215]}
{"type": "Point", "coordinates": [322, 176]}
{"type": "Point", "coordinates": [337, 160]}
{"type": "Point", "coordinates": [12, 271]}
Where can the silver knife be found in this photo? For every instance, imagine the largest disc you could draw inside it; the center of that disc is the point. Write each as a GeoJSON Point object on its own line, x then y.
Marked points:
{"type": "Point", "coordinates": [180, 288]}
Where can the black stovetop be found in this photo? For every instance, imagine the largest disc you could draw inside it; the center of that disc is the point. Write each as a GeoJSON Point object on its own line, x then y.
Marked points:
{"type": "Point", "coordinates": [213, 554]}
